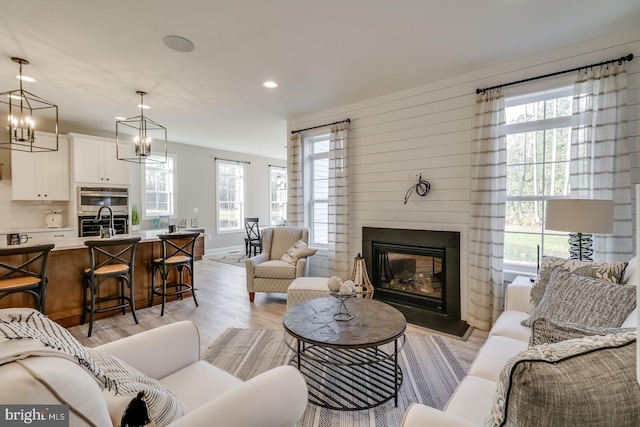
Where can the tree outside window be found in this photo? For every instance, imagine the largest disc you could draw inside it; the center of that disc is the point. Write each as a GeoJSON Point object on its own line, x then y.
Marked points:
{"type": "Point", "coordinates": [538, 155]}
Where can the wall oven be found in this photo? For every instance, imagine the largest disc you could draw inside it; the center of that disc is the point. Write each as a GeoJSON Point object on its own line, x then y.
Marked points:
{"type": "Point", "coordinates": [89, 226]}
{"type": "Point", "coordinates": [91, 199]}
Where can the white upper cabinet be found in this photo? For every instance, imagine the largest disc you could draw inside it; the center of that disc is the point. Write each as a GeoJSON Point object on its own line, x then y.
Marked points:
{"type": "Point", "coordinates": [43, 175]}
{"type": "Point", "coordinates": [95, 161]}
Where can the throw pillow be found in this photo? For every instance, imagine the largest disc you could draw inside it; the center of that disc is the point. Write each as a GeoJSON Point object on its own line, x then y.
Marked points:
{"type": "Point", "coordinates": [297, 251]}
{"type": "Point", "coordinates": [587, 382]}
{"type": "Point", "coordinates": [609, 272]}
{"type": "Point", "coordinates": [545, 331]}
{"type": "Point", "coordinates": [584, 300]}
{"type": "Point", "coordinates": [134, 398]}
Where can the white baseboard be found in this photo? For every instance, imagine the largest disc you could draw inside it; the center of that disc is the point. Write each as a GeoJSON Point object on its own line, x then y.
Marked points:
{"type": "Point", "coordinates": [218, 251]}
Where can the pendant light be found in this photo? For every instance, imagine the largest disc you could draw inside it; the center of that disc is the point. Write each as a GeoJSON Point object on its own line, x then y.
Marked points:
{"type": "Point", "coordinates": [139, 139]}
{"type": "Point", "coordinates": [28, 115]}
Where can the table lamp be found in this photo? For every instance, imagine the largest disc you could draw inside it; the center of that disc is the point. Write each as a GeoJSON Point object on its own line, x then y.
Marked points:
{"type": "Point", "coordinates": [581, 218]}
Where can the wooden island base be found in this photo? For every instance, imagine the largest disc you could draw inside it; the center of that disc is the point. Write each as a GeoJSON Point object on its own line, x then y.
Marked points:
{"type": "Point", "coordinates": [64, 284]}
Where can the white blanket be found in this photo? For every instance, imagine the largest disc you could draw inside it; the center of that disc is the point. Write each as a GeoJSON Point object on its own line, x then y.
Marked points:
{"type": "Point", "coordinates": [26, 332]}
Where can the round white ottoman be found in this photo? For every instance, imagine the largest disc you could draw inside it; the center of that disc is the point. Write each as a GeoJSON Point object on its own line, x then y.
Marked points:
{"type": "Point", "coordinates": [304, 288]}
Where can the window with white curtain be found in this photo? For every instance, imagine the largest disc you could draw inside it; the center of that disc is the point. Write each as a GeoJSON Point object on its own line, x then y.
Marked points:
{"type": "Point", "coordinates": [278, 195]}
{"type": "Point", "coordinates": [538, 155]}
{"type": "Point", "coordinates": [316, 178]}
{"type": "Point", "coordinates": [159, 188]}
{"type": "Point", "coordinates": [230, 196]}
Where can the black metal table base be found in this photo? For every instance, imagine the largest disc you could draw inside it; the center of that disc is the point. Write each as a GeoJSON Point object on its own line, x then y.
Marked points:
{"type": "Point", "coordinates": [349, 379]}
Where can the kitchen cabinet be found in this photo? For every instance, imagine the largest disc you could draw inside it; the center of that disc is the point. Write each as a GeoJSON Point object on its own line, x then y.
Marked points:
{"type": "Point", "coordinates": [95, 161]}
{"type": "Point", "coordinates": [41, 176]}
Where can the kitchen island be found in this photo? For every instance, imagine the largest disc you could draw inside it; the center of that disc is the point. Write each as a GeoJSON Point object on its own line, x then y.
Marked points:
{"type": "Point", "coordinates": [64, 281]}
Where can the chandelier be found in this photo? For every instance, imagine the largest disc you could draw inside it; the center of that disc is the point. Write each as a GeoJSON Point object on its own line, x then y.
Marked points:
{"type": "Point", "coordinates": [23, 109]}
{"type": "Point", "coordinates": [137, 136]}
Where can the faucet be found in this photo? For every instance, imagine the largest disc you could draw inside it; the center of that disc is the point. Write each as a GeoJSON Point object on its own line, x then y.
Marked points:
{"type": "Point", "coordinates": [111, 230]}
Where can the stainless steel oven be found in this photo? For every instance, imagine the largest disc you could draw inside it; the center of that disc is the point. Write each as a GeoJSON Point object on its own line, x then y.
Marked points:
{"type": "Point", "coordinates": [91, 199]}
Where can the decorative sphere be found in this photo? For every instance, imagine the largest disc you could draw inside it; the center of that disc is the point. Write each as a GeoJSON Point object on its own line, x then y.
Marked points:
{"type": "Point", "coordinates": [334, 284]}
{"type": "Point", "coordinates": [351, 285]}
{"type": "Point", "coordinates": [345, 289]}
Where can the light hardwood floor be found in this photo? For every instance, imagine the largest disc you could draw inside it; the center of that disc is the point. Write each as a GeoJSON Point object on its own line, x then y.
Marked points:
{"type": "Point", "coordinates": [224, 303]}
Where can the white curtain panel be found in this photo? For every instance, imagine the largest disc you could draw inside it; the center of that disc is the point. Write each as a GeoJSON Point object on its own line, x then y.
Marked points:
{"type": "Point", "coordinates": [338, 239]}
{"type": "Point", "coordinates": [295, 194]}
{"type": "Point", "coordinates": [600, 154]}
{"type": "Point", "coordinates": [488, 206]}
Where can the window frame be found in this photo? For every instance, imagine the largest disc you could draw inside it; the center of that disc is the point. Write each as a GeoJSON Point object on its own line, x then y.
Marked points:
{"type": "Point", "coordinates": [242, 199]}
{"type": "Point", "coordinates": [559, 89]}
{"type": "Point", "coordinates": [309, 174]}
{"type": "Point", "coordinates": [172, 162]}
{"type": "Point", "coordinates": [274, 192]}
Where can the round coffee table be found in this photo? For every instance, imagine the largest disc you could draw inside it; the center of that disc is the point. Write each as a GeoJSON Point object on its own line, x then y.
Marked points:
{"type": "Point", "coordinates": [349, 365]}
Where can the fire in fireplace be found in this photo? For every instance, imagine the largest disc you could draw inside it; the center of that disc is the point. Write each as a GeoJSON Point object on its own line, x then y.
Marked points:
{"type": "Point", "coordinates": [414, 274]}
{"type": "Point", "coordinates": [418, 272]}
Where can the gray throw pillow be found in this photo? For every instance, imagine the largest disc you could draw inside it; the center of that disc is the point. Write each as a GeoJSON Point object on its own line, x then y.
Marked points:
{"type": "Point", "coordinates": [587, 382]}
{"type": "Point", "coordinates": [609, 272]}
{"type": "Point", "coordinates": [584, 300]}
{"type": "Point", "coordinates": [545, 331]}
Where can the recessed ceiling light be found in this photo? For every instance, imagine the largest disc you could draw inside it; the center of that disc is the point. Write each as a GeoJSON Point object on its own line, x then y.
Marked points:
{"type": "Point", "coordinates": [144, 106]}
{"type": "Point", "coordinates": [177, 43]}
{"type": "Point", "coordinates": [26, 78]}
{"type": "Point", "coordinates": [270, 85]}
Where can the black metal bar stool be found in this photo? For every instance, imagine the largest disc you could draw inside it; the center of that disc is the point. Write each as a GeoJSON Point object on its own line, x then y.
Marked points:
{"type": "Point", "coordinates": [109, 259]}
{"type": "Point", "coordinates": [24, 269]}
{"type": "Point", "coordinates": [177, 254]}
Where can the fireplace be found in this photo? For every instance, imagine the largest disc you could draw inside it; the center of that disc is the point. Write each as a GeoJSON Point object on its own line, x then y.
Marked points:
{"type": "Point", "coordinates": [418, 272]}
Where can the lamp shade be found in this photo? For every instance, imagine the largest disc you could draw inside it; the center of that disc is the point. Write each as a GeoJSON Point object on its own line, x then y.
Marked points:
{"type": "Point", "coordinates": [580, 215]}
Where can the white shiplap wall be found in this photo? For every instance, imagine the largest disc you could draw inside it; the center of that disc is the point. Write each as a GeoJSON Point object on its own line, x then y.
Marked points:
{"type": "Point", "coordinates": [428, 129]}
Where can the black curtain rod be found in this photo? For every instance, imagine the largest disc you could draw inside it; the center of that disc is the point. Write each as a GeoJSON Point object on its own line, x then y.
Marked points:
{"type": "Point", "coordinates": [277, 166]}
{"type": "Point", "coordinates": [321, 126]}
{"type": "Point", "coordinates": [600, 64]}
{"type": "Point", "coordinates": [229, 160]}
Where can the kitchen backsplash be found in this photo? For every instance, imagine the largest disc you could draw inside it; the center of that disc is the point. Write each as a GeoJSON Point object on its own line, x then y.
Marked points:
{"type": "Point", "coordinates": [19, 214]}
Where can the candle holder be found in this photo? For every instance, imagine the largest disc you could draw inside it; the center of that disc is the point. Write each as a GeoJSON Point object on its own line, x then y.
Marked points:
{"type": "Point", "coordinates": [360, 277]}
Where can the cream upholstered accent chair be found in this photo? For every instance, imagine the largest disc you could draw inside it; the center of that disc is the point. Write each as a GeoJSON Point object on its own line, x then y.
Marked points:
{"type": "Point", "coordinates": [267, 272]}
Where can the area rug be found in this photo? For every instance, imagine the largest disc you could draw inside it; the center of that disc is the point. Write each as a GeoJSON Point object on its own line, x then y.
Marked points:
{"type": "Point", "coordinates": [431, 374]}
{"type": "Point", "coordinates": [232, 258]}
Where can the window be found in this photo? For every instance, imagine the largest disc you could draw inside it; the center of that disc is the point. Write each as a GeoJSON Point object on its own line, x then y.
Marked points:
{"type": "Point", "coordinates": [538, 154]}
{"type": "Point", "coordinates": [159, 188]}
{"type": "Point", "coordinates": [278, 192]}
{"type": "Point", "coordinates": [317, 186]}
{"type": "Point", "coordinates": [230, 196]}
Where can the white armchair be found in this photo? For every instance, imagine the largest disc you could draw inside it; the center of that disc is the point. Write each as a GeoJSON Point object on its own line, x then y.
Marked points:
{"type": "Point", "coordinates": [171, 355]}
{"type": "Point", "coordinates": [267, 272]}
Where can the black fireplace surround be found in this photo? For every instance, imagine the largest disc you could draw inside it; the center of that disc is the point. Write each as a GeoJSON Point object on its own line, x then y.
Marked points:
{"type": "Point", "coordinates": [418, 272]}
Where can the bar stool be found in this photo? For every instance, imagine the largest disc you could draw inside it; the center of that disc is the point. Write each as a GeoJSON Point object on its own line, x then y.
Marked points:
{"type": "Point", "coordinates": [25, 270]}
{"type": "Point", "coordinates": [109, 259]}
{"type": "Point", "coordinates": [177, 254]}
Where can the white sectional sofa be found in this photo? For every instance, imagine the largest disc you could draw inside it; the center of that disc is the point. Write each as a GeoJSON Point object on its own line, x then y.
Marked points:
{"type": "Point", "coordinates": [169, 354]}
{"type": "Point", "coordinates": [472, 401]}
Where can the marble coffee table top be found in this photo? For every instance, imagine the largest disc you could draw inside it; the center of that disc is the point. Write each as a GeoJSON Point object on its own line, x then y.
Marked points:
{"type": "Point", "coordinates": [374, 323]}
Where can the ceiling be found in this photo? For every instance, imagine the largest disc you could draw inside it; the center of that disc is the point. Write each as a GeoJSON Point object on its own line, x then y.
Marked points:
{"type": "Point", "coordinates": [90, 57]}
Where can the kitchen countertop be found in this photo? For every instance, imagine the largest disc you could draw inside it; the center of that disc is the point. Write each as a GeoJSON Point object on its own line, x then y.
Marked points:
{"type": "Point", "coordinates": [27, 230]}
{"type": "Point", "coordinates": [63, 243]}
